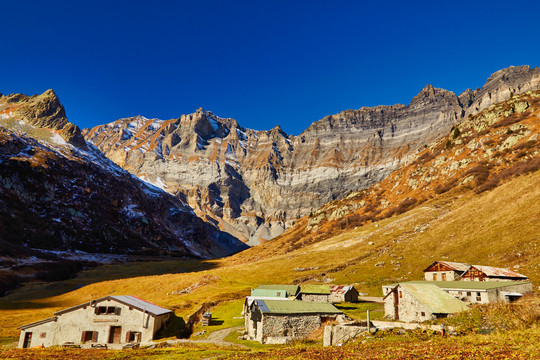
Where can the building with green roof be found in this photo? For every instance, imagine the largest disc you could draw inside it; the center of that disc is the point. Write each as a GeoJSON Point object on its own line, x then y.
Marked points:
{"type": "Point", "coordinates": [420, 301]}
{"type": "Point", "coordinates": [317, 293]}
{"type": "Point", "coordinates": [291, 290]}
{"type": "Point", "coordinates": [278, 322]}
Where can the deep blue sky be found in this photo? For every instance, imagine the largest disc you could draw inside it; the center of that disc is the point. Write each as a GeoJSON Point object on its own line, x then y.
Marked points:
{"type": "Point", "coordinates": [260, 62]}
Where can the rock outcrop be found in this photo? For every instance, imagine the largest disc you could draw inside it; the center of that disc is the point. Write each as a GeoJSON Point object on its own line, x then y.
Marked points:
{"type": "Point", "coordinates": [255, 184]}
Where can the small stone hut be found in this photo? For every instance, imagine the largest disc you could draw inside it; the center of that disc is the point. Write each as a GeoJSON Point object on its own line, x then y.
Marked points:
{"type": "Point", "coordinates": [445, 271]}
{"type": "Point", "coordinates": [343, 293]}
{"type": "Point", "coordinates": [278, 322]}
{"type": "Point", "coordinates": [290, 290]}
{"type": "Point", "coordinates": [418, 302]}
{"type": "Point", "coordinates": [490, 273]}
{"type": "Point", "coordinates": [114, 321]}
{"type": "Point", "coordinates": [317, 293]}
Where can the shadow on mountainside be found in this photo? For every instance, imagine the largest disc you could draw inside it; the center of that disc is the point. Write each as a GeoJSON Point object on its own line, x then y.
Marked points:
{"type": "Point", "coordinates": [29, 295]}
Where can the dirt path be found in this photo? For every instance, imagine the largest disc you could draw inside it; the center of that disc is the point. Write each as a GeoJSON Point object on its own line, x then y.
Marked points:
{"type": "Point", "coordinates": [216, 338]}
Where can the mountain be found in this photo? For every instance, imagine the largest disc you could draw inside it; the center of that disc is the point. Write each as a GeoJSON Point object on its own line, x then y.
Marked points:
{"type": "Point", "coordinates": [481, 153]}
{"type": "Point", "coordinates": [59, 194]}
{"type": "Point", "coordinates": [255, 184]}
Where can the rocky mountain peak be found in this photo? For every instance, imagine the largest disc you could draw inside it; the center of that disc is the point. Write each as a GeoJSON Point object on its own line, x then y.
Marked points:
{"type": "Point", "coordinates": [430, 94]}
{"type": "Point", "coordinates": [45, 111]}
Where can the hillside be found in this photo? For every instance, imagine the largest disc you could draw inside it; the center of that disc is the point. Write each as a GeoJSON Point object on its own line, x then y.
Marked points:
{"type": "Point", "coordinates": [255, 184]}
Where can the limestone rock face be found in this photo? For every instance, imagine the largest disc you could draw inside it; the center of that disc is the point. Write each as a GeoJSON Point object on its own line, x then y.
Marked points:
{"type": "Point", "coordinates": [255, 184]}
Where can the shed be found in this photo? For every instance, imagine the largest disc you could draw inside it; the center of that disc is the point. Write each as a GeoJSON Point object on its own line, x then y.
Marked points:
{"type": "Point", "coordinates": [445, 271]}
{"type": "Point", "coordinates": [343, 293]}
{"type": "Point", "coordinates": [490, 273]}
{"type": "Point", "coordinates": [418, 302]}
{"type": "Point", "coordinates": [274, 321]}
{"type": "Point", "coordinates": [317, 293]}
{"type": "Point", "coordinates": [112, 320]}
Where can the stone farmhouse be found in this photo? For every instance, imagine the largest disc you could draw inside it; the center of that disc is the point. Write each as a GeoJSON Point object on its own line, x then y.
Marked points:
{"type": "Point", "coordinates": [468, 284]}
{"type": "Point", "coordinates": [317, 293]}
{"type": "Point", "coordinates": [417, 302]}
{"type": "Point", "coordinates": [278, 321]}
{"type": "Point", "coordinates": [474, 292]}
{"type": "Point", "coordinates": [111, 321]}
{"type": "Point", "coordinates": [445, 271]}
{"type": "Point", "coordinates": [490, 273]}
{"type": "Point", "coordinates": [343, 293]}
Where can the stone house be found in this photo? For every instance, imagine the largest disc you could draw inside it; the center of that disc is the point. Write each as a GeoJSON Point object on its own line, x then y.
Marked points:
{"type": "Point", "coordinates": [445, 271]}
{"type": "Point", "coordinates": [490, 273]}
{"type": "Point", "coordinates": [418, 302]}
{"type": "Point", "coordinates": [278, 322]}
{"type": "Point", "coordinates": [317, 293]}
{"type": "Point", "coordinates": [485, 292]}
{"type": "Point", "coordinates": [343, 293]}
{"type": "Point", "coordinates": [290, 290]}
{"type": "Point", "coordinates": [112, 320]}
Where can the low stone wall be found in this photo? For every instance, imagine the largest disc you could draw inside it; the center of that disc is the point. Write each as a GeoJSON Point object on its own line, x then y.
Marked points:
{"type": "Point", "coordinates": [340, 334]}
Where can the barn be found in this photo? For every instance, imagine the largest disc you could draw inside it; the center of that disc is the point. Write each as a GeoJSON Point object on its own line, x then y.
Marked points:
{"type": "Point", "coordinates": [111, 321]}
{"type": "Point", "coordinates": [343, 293]}
{"type": "Point", "coordinates": [278, 322]}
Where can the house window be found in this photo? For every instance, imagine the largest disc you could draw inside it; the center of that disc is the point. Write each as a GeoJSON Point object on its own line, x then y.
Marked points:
{"type": "Point", "coordinates": [478, 294]}
{"type": "Point", "coordinates": [43, 335]}
{"type": "Point", "coordinates": [89, 336]}
{"type": "Point", "coordinates": [107, 310]}
{"type": "Point", "coordinates": [279, 293]}
{"type": "Point", "coordinates": [434, 277]}
{"type": "Point", "coordinates": [400, 294]}
{"type": "Point", "coordinates": [478, 298]}
{"type": "Point", "coordinates": [133, 337]}
{"type": "Point", "coordinates": [468, 293]}
{"type": "Point", "coordinates": [443, 277]}
{"type": "Point", "coordinates": [423, 313]}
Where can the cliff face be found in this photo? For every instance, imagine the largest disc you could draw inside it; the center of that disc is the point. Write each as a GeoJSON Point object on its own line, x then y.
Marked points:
{"type": "Point", "coordinates": [254, 184]}
{"type": "Point", "coordinates": [58, 196]}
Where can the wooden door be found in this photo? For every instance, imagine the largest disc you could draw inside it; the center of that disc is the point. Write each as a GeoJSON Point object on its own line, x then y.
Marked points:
{"type": "Point", "coordinates": [396, 305]}
{"type": "Point", "coordinates": [27, 340]}
{"type": "Point", "coordinates": [114, 334]}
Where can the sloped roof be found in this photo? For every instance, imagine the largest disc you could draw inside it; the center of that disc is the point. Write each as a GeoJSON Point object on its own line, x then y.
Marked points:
{"type": "Point", "coordinates": [452, 265]}
{"type": "Point", "coordinates": [129, 300]}
{"type": "Point", "coordinates": [491, 271]}
{"type": "Point", "coordinates": [251, 299]}
{"type": "Point", "coordinates": [340, 289]}
{"type": "Point", "coordinates": [434, 299]}
{"type": "Point", "coordinates": [269, 293]}
{"type": "Point", "coordinates": [291, 290]}
{"type": "Point", "coordinates": [466, 285]}
{"type": "Point", "coordinates": [40, 322]}
{"type": "Point", "coordinates": [296, 307]}
{"type": "Point", "coordinates": [315, 289]}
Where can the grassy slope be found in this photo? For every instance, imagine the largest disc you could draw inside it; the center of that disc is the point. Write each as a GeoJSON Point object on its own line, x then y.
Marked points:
{"type": "Point", "coordinates": [490, 228]}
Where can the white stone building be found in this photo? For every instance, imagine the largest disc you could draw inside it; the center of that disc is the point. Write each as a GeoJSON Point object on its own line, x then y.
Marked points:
{"type": "Point", "coordinates": [418, 302]}
{"type": "Point", "coordinates": [278, 322]}
{"type": "Point", "coordinates": [114, 321]}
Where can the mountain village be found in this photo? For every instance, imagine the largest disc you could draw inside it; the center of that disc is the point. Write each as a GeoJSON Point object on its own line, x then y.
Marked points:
{"type": "Point", "coordinates": [278, 314]}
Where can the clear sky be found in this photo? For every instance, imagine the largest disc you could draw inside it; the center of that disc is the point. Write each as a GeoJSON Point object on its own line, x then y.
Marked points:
{"type": "Point", "coordinates": [261, 62]}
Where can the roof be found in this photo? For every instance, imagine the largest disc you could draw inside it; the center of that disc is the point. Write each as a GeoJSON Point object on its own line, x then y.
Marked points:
{"type": "Point", "coordinates": [291, 290]}
{"type": "Point", "coordinates": [251, 299]}
{"type": "Point", "coordinates": [296, 307]}
{"type": "Point", "coordinates": [315, 289]}
{"type": "Point", "coordinates": [467, 285]}
{"type": "Point", "coordinates": [340, 289]}
{"type": "Point", "coordinates": [23, 327]}
{"type": "Point", "coordinates": [129, 300]}
{"type": "Point", "coordinates": [434, 299]}
{"type": "Point", "coordinates": [269, 293]}
{"type": "Point", "coordinates": [452, 265]}
{"type": "Point", "coordinates": [491, 271]}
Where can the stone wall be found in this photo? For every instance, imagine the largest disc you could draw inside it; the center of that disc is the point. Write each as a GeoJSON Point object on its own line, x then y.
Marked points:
{"type": "Point", "coordinates": [315, 297]}
{"type": "Point", "coordinates": [450, 275]}
{"type": "Point", "coordinates": [340, 334]}
{"type": "Point", "coordinates": [291, 326]}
